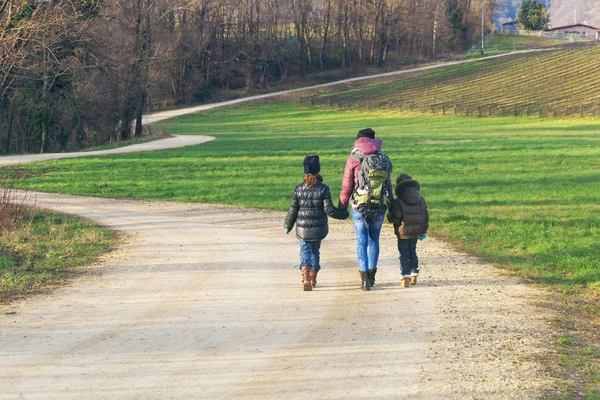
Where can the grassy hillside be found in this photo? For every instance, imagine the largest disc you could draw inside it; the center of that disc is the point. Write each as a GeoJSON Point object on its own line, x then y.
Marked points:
{"type": "Point", "coordinates": [515, 42]}
{"type": "Point", "coordinates": [564, 82]}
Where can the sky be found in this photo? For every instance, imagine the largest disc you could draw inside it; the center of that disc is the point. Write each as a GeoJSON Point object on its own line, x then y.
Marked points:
{"type": "Point", "coordinates": [562, 12]}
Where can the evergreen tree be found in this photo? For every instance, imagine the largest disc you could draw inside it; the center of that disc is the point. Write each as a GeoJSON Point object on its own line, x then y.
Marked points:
{"type": "Point", "coordinates": [532, 15]}
{"type": "Point", "coordinates": [458, 30]}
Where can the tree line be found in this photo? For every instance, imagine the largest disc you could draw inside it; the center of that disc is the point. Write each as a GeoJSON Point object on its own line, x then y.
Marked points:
{"type": "Point", "coordinates": [76, 73]}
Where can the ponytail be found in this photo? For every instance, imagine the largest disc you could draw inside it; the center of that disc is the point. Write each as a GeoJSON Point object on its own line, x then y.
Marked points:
{"type": "Point", "coordinates": [310, 180]}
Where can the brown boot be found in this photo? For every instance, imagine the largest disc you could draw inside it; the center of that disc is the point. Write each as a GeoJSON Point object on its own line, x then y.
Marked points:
{"type": "Point", "coordinates": [413, 280]}
{"type": "Point", "coordinates": [313, 278]}
{"type": "Point", "coordinates": [405, 282]}
{"type": "Point", "coordinates": [306, 278]}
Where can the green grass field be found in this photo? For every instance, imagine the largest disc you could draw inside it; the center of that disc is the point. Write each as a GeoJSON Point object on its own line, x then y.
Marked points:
{"type": "Point", "coordinates": [523, 192]}
{"type": "Point", "coordinates": [512, 42]}
{"type": "Point", "coordinates": [500, 44]}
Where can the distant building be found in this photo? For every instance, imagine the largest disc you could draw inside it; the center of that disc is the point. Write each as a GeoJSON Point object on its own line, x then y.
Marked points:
{"type": "Point", "coordinates": [582, 30]}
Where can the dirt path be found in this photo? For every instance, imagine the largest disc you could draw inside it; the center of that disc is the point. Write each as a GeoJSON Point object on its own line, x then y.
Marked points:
{"type": "Point", "coordinates": [162, 144]}
{"type": "Point", "coordinates": [198, 304]}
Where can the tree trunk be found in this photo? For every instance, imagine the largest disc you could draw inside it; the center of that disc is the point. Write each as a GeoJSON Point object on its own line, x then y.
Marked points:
{"type": "Point", "coordinates": [126, 117]}
{"type": "Point", "coordinates": [360, 33]}
{"type": "Point", "coordinates": [435, 29]}
{"type": "Point", "coordinates": [138, 118]}
{"type": "Point", "coordinates": [346, 33]}
{"type": "Point", "coordinates": [374, 38]}
{"type": "Point", "coordinates": [44, 138]}
{"type": "Point", "coordinates": [325, 32]}
{"type": "Point", "coordinates": [11, 118]}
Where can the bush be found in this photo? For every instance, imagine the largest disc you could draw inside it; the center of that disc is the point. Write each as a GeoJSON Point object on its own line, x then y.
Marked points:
{"type": "Point", "coordinates": [12, 201]}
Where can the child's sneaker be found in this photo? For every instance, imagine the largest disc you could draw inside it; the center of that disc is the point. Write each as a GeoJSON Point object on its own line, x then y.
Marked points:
{"type": "Point", "coordinates": [405, 282]}
{"type": "Point", "coordinates": [413, 279]}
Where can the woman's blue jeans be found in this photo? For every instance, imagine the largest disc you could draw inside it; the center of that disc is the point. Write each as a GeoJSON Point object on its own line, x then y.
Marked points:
{"type": "Point", "coordinates": [310, 255]}
{"type": "Point", "coordinates": [367, 239]}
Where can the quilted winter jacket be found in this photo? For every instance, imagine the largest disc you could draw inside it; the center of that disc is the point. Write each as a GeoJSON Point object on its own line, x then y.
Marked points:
{"type": "Point", "coordinates": [350, 181]}
{"type": "Point", "coordinates": [409, 211]}
{"type": "Point", "coordinates": [309, 210]}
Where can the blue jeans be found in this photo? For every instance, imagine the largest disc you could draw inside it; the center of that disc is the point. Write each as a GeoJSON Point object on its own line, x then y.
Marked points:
{"type": "Point", "coordinates": [409, 262]}
{"type": "Point", "coordinates": [367, 239]}
{"type": "Point", "coordinates": [309, 255]}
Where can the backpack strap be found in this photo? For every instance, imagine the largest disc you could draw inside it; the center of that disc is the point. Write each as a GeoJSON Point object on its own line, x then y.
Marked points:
{"type": "Point", "coordinates": [357, 155]}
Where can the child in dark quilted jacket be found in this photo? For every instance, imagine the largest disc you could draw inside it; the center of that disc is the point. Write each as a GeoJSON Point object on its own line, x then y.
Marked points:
{"type": "Point", "coordinates": [410, 217]}
{"type": "Point", "coordinates": [311, 204]}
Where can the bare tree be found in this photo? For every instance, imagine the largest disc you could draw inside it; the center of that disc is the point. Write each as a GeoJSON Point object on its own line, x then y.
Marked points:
{"type": "Point", "coordinates": [79, 72]}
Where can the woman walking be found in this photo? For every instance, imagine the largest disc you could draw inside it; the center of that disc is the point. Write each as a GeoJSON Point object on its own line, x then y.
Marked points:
{"type": "Point", "coordinates": [366, 186]}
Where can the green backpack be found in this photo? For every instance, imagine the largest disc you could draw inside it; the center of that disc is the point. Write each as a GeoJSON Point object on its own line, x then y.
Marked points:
{"type": "Point", "coordinates": [371, 196]}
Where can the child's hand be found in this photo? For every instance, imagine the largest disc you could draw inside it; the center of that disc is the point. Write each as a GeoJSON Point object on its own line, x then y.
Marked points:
{"type": "Point", "coordinates": [423, 236]}
{"type": "Point", "coordinates": [287, 231]}
{"type": "Point", "coordinates": [345, 214]}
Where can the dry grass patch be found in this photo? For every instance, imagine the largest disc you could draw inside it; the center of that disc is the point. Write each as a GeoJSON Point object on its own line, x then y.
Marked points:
{"type": "Point", "coordinates": [41, 249]}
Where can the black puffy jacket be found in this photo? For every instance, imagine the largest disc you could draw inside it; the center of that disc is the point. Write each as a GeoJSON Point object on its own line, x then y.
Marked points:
{"type": "Point", "coordinates": [309, 210]}
{"type": "Point", "coordinates": [409, 211]}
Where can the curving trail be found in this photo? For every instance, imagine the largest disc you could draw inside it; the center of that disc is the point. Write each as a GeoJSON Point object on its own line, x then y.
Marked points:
{"type": "Point", "coordinates": [161, 144]}
{"type": "Point", "coordinates": [203, 302]}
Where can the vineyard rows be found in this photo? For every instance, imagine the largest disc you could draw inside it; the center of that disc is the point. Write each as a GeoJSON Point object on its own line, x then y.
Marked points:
{"type": "Point", "coordinates": [561, 82]}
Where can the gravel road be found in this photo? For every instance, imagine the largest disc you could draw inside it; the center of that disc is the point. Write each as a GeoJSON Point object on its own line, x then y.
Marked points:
{"type": "Point", "coordinates": [204, 302]}
{"type": "Point", "coordinates": [161, 144]}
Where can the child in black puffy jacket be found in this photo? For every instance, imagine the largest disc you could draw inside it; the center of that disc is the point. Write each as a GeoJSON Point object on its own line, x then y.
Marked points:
{"type": "Point", "coordinates": [311, 204]}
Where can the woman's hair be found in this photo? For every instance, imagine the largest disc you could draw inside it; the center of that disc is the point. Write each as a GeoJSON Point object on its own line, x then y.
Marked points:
{"type": "Point", "coordinates": [310, 180]}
